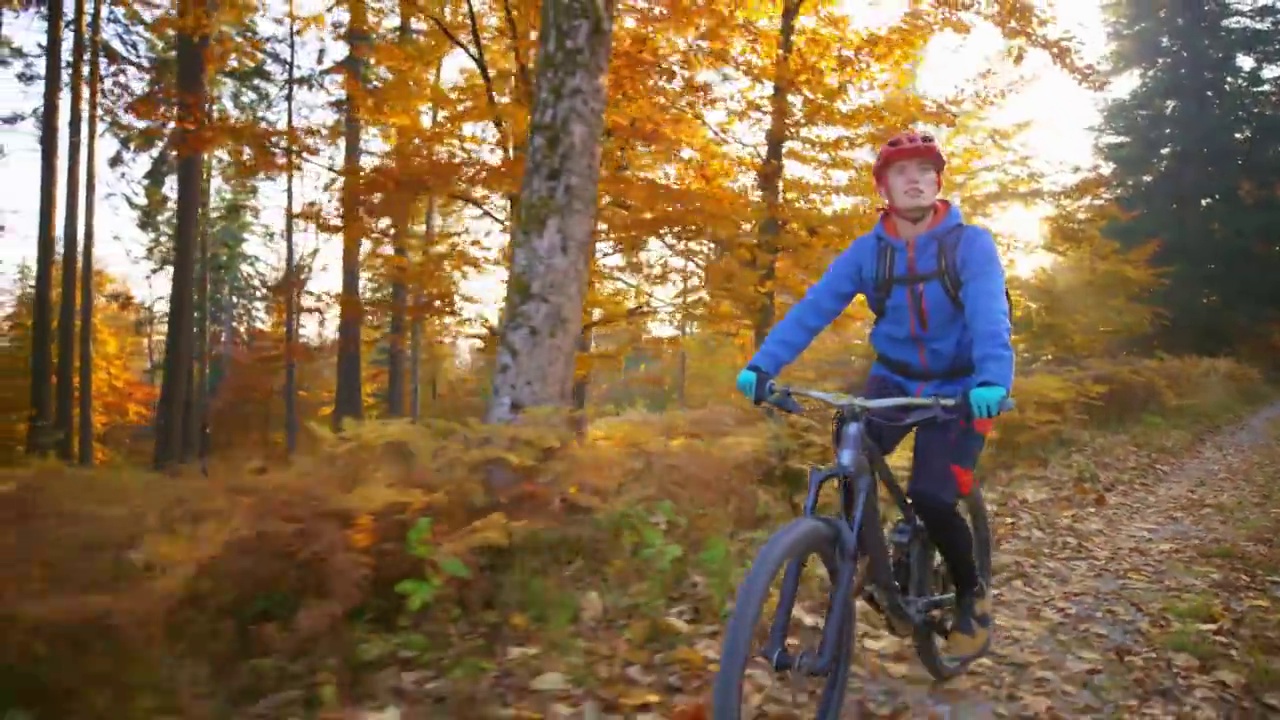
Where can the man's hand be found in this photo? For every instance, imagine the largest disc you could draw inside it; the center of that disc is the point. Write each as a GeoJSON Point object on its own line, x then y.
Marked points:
{"type": "Point", "coordinates": [754, 383]}
{"type": "Point", "coordinates": [986, 401]}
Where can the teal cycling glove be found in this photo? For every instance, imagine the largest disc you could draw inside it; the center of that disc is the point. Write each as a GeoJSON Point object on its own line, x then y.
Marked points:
{"type": "Point", "coordinates": [987, 401]}
{"type": "Point", "coordinates": [754, 383]}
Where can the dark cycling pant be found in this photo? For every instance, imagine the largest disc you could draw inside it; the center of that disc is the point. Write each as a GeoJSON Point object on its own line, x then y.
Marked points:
{"type": "Point", "coordinates": [944, 458]}
{"type": "Point", "coordinates": [945, 454]}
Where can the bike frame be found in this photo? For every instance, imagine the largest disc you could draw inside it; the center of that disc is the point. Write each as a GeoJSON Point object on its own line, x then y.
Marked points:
{"type": "Point", "coordinates": [858, 465]}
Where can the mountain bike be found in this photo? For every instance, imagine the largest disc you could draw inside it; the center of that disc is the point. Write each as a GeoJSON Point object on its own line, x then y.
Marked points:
{"type": "Point", "coordinates": [899, 578]}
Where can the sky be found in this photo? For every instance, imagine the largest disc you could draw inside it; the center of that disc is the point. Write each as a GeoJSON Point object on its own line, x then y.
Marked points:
{"type": "Point", "coordinates": [1061, 114]}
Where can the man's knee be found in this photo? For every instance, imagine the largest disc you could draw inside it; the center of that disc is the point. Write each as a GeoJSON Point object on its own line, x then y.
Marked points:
{"type": "Point", "coordinates": [967, 444]}
{"type": "Point", "coordinates": [943, 484]}
{"type": "Point", "coordinates": [945, 459]}
{"type": "Point", "coordinates": [935, 489]}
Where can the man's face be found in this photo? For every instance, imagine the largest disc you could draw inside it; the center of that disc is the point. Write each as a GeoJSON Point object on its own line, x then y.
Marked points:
{"type": "Point", "coordinates": [910, 185]}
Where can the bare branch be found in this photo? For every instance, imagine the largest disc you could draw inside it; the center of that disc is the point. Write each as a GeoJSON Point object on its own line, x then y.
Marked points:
{"type": "Point", "coordinates": [456, 42]}
{"type": "Point", "coordinates": [721, 136]}
{"type": "Point", "coordinates": [477, 204]}
{"type": "Point", "coordinates": [483, 67]}
{"type": "Point", "coordinates": [636, 311]}
{"type": "Point", "coordinates": [522, 68]}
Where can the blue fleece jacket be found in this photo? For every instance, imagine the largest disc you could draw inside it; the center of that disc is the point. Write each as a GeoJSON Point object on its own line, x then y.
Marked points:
{"type": "Point", "coordinates": [980, 334]}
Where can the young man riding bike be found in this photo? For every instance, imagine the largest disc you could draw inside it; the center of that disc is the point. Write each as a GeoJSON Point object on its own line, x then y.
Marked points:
{"type": "Point", "coordinates": [942, 328]}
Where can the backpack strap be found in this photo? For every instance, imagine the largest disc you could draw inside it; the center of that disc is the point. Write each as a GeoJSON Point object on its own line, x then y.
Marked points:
{"type": "Point", "coordinates": [886, 258]}
{"type": "Point", "coordinates": [949, 273]}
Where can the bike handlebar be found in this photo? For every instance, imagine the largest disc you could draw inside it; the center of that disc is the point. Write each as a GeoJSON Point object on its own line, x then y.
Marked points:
{"type": "Point", "coordinates": [783, 398]}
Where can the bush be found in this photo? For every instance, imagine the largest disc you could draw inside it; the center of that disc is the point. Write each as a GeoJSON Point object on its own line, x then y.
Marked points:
{"type": "Point", "coordinates": [1058, 408]}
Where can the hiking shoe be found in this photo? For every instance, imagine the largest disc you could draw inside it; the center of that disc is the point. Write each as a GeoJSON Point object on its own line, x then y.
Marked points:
{"type": "Point", "coordinates": [971, 629]}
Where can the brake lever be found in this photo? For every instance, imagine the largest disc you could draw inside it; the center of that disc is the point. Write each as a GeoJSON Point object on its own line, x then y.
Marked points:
{"type": "Point", "coordinates": [782, 400]}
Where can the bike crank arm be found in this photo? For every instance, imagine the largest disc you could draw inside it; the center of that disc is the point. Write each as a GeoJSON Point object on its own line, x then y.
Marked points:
{"type": "Point", "coordinates": [925, 605]}
{"type": "Point", "coordinates": [918, 609]}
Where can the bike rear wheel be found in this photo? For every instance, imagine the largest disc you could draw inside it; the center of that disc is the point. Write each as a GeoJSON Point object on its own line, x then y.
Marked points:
{"type": "Point", "coordinates": [926, 580]}
{"type": "Point", "coordinates": [800, 539]}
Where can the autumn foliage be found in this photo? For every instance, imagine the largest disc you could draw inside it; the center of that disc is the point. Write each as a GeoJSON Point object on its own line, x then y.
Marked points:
{"type": "Point", "coordinates": [125, 398]}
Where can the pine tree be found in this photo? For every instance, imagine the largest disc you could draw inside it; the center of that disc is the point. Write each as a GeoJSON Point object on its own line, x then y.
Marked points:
{"type": "Point", "coordinates": [1193, 148]}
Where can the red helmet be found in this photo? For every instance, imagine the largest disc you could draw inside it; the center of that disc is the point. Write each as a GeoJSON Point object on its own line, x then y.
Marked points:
{"type": "Point", "coordinates": [908, 146]}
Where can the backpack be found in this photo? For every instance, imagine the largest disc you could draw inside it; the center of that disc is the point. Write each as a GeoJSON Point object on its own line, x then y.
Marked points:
{"type": "Point", "coordinates": [948, 246]}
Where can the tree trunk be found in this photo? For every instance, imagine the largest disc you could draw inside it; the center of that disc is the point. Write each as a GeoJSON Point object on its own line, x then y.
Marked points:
{"type": "Point", "coordinates": [415, 333]}
{"type": "Point", "coordinates": [194, 423]}
{"type": "Point", "coordinates": [64, 414]}
{"type": "Point", "coordinates": [41, 416]}
{"type": "Point", "coordinates": [85, 443]}
{"type": "Point", "coordinates": [290, 261]}
{"type": "Point", "coordinates": [419, 311]}
{"type": "Point", "coordinates": [189, 139]}
{"type": "Point", "coordinates": [682, 359]}
{"type": "Point", "coordinates": [557, 219]}
{"type": "Point", "coordinates": [396, 336]}
{"type": "Point", "coordinates": [349, 398]}
{"type": "Point", "coordinates": [152, 368]}
{"type": "Point", "coordinates": [769, 179]}
{"type": "Point", "coordinates": [415, 363]}
{"type": "Point", "coordinates": [582, 356]}
{"type": "Point", "coordinates": [582, 378]}
{"type": "Point", "coordinates": [403, 205]}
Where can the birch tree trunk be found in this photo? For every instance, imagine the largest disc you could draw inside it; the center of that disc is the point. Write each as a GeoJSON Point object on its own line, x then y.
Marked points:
{"type": "Point", "coordinates": [557, 217]}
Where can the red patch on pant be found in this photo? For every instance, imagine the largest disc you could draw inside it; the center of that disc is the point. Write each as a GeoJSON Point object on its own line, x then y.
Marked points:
{"type": "Point", "coordinates": [983, 425]}
{"type": "Point", "coordinates": [964, 479]}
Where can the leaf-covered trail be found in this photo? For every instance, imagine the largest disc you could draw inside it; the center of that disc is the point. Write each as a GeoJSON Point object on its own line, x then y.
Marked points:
{"type": "Point", "coordinates": [1137, 587]}
{"type": "Point", "coordinates": [1132, 579]}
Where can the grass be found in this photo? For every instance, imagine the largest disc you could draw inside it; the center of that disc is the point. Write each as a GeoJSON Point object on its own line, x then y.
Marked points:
{"type": "Point", "coordinates": [1192, 642]}
{"type": "Point", "coordinates": [1232, 622]}
{"type": "Point", "coordinates": [1198, 609]}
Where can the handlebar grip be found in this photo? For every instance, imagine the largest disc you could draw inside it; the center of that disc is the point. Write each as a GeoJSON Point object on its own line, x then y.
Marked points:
{"type": "Point", "coordinates": [786, 404]}
{"type": "Point", "coordinates": [1007, 404]}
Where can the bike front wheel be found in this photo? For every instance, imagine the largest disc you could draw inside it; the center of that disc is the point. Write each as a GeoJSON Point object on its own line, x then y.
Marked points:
{"type": "Point", "coordinates": [796, 541]}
